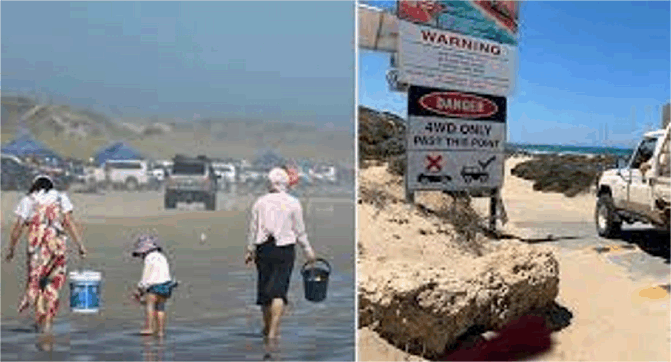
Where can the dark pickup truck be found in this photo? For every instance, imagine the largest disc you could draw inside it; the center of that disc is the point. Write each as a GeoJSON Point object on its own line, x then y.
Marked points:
{"type": "Point", "coordinates": [191, 180]}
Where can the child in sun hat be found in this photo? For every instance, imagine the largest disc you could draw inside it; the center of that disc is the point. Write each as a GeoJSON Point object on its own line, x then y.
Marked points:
{"type": "Point", "coordinates": [156, 285]}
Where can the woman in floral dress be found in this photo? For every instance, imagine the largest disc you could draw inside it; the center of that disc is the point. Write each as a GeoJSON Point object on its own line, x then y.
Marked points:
{"type": "Point", "coordinates": [46, 213]}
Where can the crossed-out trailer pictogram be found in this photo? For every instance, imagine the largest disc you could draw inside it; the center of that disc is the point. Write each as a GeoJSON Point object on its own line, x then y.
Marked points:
{"type": "Point", "coordinates": [434, 162]}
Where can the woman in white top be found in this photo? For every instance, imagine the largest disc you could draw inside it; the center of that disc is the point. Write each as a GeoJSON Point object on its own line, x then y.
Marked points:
{"type": "Point", "coordinates": [156, 284]}
{"type": "Point", "coordinates": [47, 214]}
{"type": "Point", "coordinates": [276, 226]}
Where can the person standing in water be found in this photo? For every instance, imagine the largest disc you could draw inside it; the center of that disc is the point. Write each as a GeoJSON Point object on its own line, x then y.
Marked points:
{"type": "Point", "coordinates": [276, 226]}
{"type": "Point", "coordinates": [156, 285]}
{"type": "Point", "coordinates": [47, 214]}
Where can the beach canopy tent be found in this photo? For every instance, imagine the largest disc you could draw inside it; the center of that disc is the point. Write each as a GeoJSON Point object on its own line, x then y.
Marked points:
{"type": "Point", "coordinates": [27, 145]}
{"type": "Point", "coordinates": [117, 151]}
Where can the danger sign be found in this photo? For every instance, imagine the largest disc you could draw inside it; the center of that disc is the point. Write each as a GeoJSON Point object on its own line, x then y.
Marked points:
{"type": "Point", "coordinates": [455, 140]}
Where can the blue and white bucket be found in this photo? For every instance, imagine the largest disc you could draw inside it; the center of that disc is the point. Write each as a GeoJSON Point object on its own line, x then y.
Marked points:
{"type": "Point", "coordinates": [85, 291]}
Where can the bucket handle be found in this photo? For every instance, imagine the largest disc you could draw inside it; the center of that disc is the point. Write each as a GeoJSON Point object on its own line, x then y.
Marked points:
{"type": "Point", "coordinates": [316, 261]}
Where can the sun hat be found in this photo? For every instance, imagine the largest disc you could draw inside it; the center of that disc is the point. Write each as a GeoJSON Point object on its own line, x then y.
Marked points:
{"type": "Point", "coordinates": [145, 243]}
{"type": "Point", "coordinates": [44, 176]}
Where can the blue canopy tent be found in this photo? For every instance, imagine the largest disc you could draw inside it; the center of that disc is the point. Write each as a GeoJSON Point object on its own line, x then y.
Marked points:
{"type": "Point", "coordinates": [117, 151]}
{"type": "Point", "coordinates": [26, 145]}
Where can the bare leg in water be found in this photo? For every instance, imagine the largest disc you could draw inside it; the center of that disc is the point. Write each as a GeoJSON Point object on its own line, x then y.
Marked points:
{"type": "Point", "coordinates": [44, 323]}
{"type": "Point", "coordinates": [266, 319]}
{"type": "Point", "coordinates": [276, 310]}
{"type": "Point", "coordinates": [160, 317]}
{"type": "Point", "coordinates": [150, 324]}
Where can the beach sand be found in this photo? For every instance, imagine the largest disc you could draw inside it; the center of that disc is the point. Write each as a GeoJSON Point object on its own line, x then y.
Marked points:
{"type": "Point", "coordinates": [211, 315]}
{"type": "Point", "coordinates": [614, 316]}
{"type": "Point", "coordinates": [524, 206]}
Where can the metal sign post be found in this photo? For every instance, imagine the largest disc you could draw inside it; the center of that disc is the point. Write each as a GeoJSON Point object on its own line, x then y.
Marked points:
{"type": "Point", "coordinates": [492, 210]}
{"type": "Point", "coordinates": [409, 193]}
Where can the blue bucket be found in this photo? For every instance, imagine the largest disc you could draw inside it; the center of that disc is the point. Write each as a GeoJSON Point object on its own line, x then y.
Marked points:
{"type": "Point", "coordinates": [85, 291]}
{"type": "Point", "coordinates": [316, 280]}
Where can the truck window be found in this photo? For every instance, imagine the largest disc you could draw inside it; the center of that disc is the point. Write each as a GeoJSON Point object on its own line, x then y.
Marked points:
{"type": "Point", "coordinates": [664, 168]}
{"type": "Point", "coordinates": [188, 169]}
{"type": "Point", "coordinates": [125, 165]}
{"type": "Point", "coordinates": [644, 152]}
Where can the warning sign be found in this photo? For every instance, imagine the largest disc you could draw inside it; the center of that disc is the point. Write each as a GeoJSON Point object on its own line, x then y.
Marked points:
{"type": "Point", "coordinates": [455, 140]}
{"type": "Point", "coordinates": [448, 59]}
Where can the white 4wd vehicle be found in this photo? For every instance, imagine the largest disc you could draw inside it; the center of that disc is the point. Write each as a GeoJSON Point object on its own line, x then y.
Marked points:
{"type": "Point", "coordinates": [641, 191]}
{"type": "Point", "coordinates": [127, 174]}
{"type": "Point", "coordinates": [225, 173]}
{"type": "Point", "coordinates": [324, 173]}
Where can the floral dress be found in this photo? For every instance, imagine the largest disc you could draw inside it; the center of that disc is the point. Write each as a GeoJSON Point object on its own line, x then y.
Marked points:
{"type": "Point", "coordinates": [46, 257]}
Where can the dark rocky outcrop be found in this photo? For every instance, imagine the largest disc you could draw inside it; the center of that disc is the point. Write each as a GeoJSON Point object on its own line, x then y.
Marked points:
{"type": "Point", "coordinates": [381, 135]}
{"type": "Point", "coordinates": [567, 174]}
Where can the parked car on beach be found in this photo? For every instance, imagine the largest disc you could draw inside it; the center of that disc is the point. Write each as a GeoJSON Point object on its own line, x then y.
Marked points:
{"type": "Point", "coordinates": [324, 173]}
{"type": "Point", "coordinates": [16, 174]}
{"type": "Point", "coordinates": [251, 175]}
{"type": "Point", "coordinates": [130, 175]}
{"type": "Point", "coordinates": [191, 180]}
{"type": "Point", "coordinates": [225, 172]}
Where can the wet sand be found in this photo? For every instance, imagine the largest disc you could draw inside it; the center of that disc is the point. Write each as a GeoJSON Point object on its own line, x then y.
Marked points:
{"type": "Point", "coordinates": [211, 315]}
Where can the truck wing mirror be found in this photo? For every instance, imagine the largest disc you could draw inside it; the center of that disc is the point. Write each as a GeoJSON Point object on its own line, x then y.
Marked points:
{"type": "Point", "coordinates": [621, 162]}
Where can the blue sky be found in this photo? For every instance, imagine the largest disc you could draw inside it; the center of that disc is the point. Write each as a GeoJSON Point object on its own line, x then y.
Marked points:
{"type": "Point", "coordinates": [280, 61]}
{"type": "Point", "coordinates": [582, 65]}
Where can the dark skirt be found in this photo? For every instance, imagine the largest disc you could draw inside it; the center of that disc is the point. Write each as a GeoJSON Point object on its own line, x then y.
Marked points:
{"type": "Point", "coordinates": [274, 265]}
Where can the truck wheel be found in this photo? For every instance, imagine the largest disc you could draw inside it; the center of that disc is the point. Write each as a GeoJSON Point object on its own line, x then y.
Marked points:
{"type": "Point", "coordinates": [169, 201]}
{"type": "Point", "coordinates": [608, 224]}
{"type": "Point", "coordinates": [131, 184]}
{"type": "Point", "coordinates": [211, 202]}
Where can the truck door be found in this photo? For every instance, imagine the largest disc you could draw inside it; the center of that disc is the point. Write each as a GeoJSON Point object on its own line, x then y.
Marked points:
{"type": "Point", "coordinates": [661, 172]}
{"type": "Point", "coordinates": [639, 195]}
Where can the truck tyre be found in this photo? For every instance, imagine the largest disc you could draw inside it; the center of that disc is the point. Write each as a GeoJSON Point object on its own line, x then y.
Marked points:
{"type": "Point", "coordinates": [131, 184]}
{"type": "Point", "coordinates": [169, 201]}
{"type": "Point", "coordinates": [211, 202]}
{"type": "Point", "coordinates": [608, 224]}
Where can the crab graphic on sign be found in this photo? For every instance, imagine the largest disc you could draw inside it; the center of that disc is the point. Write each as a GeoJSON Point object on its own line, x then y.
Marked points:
{"type": "Point", "coordinates": [433, 163]}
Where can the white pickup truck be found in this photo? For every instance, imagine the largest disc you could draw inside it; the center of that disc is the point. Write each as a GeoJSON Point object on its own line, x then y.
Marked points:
{"type": "Point", "coordinates": [639, 191]}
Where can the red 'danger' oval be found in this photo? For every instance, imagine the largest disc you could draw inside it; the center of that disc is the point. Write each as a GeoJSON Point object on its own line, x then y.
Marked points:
{"type": "Point", "coordinates": [458, 104]}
